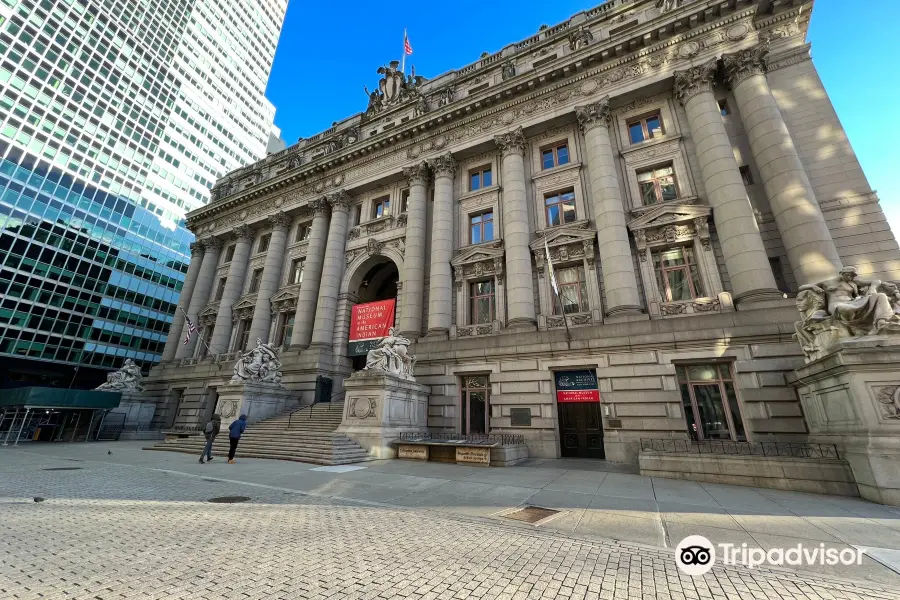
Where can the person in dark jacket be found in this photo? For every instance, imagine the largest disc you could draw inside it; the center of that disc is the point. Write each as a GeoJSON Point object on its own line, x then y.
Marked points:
{"type": "Point", "coordinates": [211, 431]}
{"type": "Point", "coordinates": [234, 435]}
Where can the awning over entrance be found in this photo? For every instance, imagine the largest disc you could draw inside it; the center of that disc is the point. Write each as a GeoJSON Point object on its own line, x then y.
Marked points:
{"type": "Point", "coordinates": [42, 397]}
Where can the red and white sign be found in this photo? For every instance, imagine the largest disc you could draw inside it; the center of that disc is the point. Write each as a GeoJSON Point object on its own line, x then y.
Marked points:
{"type": "Point", "coordinates": [577, 386]}
{"type": "Point", "coordinates": [369, 323]}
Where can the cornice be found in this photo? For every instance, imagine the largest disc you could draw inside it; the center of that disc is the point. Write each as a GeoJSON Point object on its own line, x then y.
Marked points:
{"type": "Point", "coordinates": [602, 79]}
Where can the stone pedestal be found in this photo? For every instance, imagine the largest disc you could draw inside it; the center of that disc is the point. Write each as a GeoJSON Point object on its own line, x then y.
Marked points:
{"type": "Point", "coordinates": [851, 398]}
{"type": "Point", "coordinates": [256, 400]}
{"type": "Point", "coordinates": [138, 409]}
{"type": "Point", "coordinates": [379, 406]}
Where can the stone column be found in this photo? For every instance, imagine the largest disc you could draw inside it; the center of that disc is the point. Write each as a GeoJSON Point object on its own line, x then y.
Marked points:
{"type": "Point", "coordinates": [516, 231]}
{"type": "Point", "coordinates": [222, 330]}
{"type": "Point", "coordinates": [440, 289]}
{"type": "Point", "coordinates": [742, 245]}
{"type": "Point", "coordinates": [262, 312]}
{"type": "Point", "coordinates": [332, 271]}
{"type": "Point", "coordinates": [308, 296]}
{"type": "Point", "coordinates": [184, 300]}
{"type": "Point", "coordinates": [200, 296]}
{"type": "Point", "coordinates": [413, 277]}
{"type": "Point", "coordinates": [810, 247]}
{"type": "Point", "coordinates": [616, 262]}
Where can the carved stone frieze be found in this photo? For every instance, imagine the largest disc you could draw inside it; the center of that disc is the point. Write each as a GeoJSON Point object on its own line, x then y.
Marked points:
{"type": "Point", "coordinates": [561, 178]}
{"type": "Point", "coordinates": [474, 330]}
{"type": "Point", "coordinates": [711, 306]}
{"type": "Point", "coordinates": [695, 80]}
{"type": "Point", "coordinates": [668, 148]}
{"type": "Point", "coordinates": [362, 407]}
{"type": "Point", "coordinates": [593, 115]}
{"type": "Point", "coordinates": [745, 63]}
{"type": "Point", "coordinates": [888, 398]}
{"type": "Point", "coordinates": [279, 219]}
{"type": "Point", "coordinates": [668, 310]}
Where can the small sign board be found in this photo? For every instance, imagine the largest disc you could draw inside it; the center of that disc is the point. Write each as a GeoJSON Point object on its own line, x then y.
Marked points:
{"type": "Point", "coordinates": [520, 417]}
{"type": "Point", "coordinates": [481, 456]}
{"type": "Point", "coordinates": [369, 323]}
{"type": "Point", "coordinates": [412, 451]}
{"type": "Point", "coordinates": [577, 386]}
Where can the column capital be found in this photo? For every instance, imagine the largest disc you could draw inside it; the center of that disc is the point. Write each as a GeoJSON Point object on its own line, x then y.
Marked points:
{"type": "Point", "coordinates": [511, 142]}
{"type": "Point", "coordinates": [339, 200]}
{"type": "Point", "coordinates": [695, 80]}
{"type": "Point", "coordinates": [197, 248]}
{"type": "Point", "coordinates": [243, 233]}
{"type": "Point", "coordinates": [443, 166]}
{"type": "Point", "coordinates": [745, 63]}
{"type": "Point", "coordinates": [416, 174]}
{"type": "Point", "coordinates": [211, 243]}
{"type": "Point", "coordinates": [279, 219]}
{"type": "Point", "coordinates": [319, 207]}
{"type": "Point", "coordinates": [592, 115]}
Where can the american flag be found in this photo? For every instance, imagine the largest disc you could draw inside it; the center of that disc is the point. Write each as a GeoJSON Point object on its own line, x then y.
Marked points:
{"type": "Point", "coordinates": [406, 47]}
{"type": "Point", "coordinates": [190, 331]}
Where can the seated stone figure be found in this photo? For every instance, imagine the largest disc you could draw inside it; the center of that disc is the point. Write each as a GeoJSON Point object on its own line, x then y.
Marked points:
{"type": "Point", "coordinates": [845, 306]}
{"type": "Point", "coordinates": [392, 355]}
{"type": "Point", "coordinates": [260, 364]}
{"type": "Point", "coordinates": [126, 379]}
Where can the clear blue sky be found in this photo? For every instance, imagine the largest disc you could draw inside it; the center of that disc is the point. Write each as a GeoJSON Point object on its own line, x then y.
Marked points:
{"type": "Point", "coordinates": [328, 52]}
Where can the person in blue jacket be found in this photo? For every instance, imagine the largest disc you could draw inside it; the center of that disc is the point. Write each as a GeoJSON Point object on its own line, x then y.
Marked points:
{"type": "Point", "coordinates": [234, 435]}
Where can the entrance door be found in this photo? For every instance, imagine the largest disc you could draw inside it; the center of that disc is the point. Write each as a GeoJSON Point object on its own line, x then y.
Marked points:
{"type": "Point", "coordinates": [581, 429]}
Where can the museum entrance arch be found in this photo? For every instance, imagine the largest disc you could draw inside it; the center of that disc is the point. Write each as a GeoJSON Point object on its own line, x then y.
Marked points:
{"type": "Point", "coordinates": [376, 278]}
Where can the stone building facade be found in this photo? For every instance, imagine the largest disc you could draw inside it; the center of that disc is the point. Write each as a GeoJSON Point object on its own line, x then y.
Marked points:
{"type": "Point", "coordinates": [679, 162]}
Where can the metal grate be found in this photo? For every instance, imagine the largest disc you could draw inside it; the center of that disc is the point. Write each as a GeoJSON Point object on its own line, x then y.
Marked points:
{"type": "Point", "coordinates": [229, 499]}
{"type": "Point", "coordinates": [63, 469]}
{"type": "Point", "coordinates": [792, 449]}
{"type": "Point", "coordinates": [531, 514]}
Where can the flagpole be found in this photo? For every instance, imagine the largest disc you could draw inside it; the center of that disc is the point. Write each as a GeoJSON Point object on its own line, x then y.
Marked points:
{"type": "Point", "coordinates": [188, 319]}
{"type": "Point", "coordinates": [403, 55]}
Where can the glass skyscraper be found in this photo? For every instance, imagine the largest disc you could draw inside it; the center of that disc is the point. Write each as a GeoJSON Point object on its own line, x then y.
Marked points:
{"type": "Point", "coordinates": [116, 117]}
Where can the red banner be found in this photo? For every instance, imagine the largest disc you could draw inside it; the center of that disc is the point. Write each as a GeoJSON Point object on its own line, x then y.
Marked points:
{"type": "Point", "coordinates": [369, 323]}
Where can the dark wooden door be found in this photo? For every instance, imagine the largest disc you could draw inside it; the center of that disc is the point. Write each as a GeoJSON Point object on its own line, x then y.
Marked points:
{"type": "Point", "coordinates": [581, 429]}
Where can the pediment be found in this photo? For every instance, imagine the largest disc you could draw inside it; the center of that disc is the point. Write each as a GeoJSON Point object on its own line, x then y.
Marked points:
{"type": "Point", "coordinates": [289, 293]}
{"type": "Point", "coordinates": [210, 310]}
{"type": "Point", "coordinates": [668, 214]}
{"type": "Point", "coordinates": [563, 236]}
{"type": "Point", "coordinates": [245, 302]}
{"type": "Point", "coordinates": [478, 253]}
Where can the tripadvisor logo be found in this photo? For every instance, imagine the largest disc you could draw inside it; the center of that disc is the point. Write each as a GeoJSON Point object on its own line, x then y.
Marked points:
{"type": "Point", "coordinates": [696, 555]}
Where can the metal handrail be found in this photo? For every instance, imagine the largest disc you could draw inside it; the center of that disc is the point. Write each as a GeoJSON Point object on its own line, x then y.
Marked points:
{"type": "Point", "coordinates": [311, 406]}
{"type": "Point", "coordinates": [731, 448]}
{"type": "Point", "coordinates": [504, 439]}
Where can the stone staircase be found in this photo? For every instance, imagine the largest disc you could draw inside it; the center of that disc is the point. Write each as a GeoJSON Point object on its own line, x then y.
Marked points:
{"type": "Point", "coordinates": [310, 438]}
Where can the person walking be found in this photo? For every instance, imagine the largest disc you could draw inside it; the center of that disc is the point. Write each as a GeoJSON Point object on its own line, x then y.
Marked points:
{"type": "Point", "coordinates": [211, 431]}
{"type": "Point", "coordinates": [234, 435]}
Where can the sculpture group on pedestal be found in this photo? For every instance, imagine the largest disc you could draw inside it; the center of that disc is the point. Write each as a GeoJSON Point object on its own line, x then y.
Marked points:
{"type": "Point", "coordinates": [260, 365]}
{"type": "Point", "coordinates": [844, 307]}
{"type": "Point", "coordinates": [126, 379]}
{"type": "Point", "coordinates": [392, 356]}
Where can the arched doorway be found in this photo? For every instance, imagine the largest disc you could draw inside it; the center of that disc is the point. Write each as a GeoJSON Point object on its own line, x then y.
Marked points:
{"type": "Point", "coordinates": [376, 278]}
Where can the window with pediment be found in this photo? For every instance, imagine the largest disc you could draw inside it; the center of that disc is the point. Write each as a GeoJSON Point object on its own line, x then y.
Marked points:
{"type": "Point", "coordinates": [478, 275]}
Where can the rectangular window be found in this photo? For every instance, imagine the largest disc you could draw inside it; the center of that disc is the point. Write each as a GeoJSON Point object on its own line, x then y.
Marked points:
{"type": "Point", "coordinates": [255, 280]}
{"type": "Point", "coordinates": [481, 227]}
{"type": "Point", "coordinates": [645, 128]}
{"type": "Point", "coordinates": [560, 208]}
{"type": "Point", "coordinates": [229, 253]}
{"type": "Point", "coordinates": [480, 178]}
{"type": "Point", "coordinates": [302, 232]}
{"type": "Point", "coordinates": [264, 242]}
{"type": "Point", "coordinates": [382, 207]}
{"type": "Point", "coordinates": [723, 107]}
{"type": "Point", "coordinates": [554, 156]}
{"type": "Point", "coordinates": [746, 175]}
{"type": "Point", "coordinates": [710, 402]}
{"type": "Point", "coordinates": [476, 403]}
{"type": "Point", "coordinates": [657, 185]}
{"type": "Point", "coordinates": [481, 302]}
{"type": "Point", "coordinates": [243, 335]}
{"type": "Point", "coordinates": [285, 329]}
{"type": "Point", "coordinates": [677, 274]}
{"type": "Point", "coordinates": [404, 200]}
{"type": "Point", "coordinates": [221, 289]}
{"type": "Point", "coordinates": [572, 291]}
{"type": "Point", "coordinates": [296, 271]}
